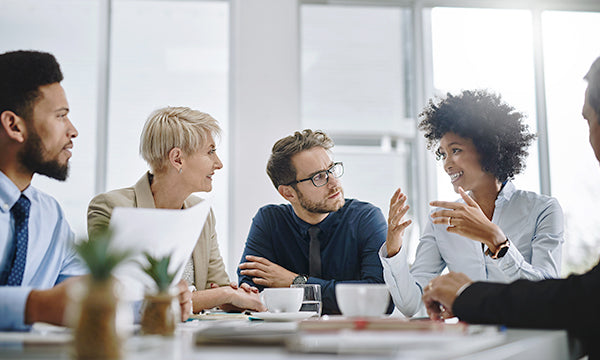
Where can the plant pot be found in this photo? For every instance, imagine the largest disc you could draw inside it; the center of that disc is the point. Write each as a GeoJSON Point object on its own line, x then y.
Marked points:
{"type": "Point", "coordinates": [96, 335]}
{"type": "Point", "coordinates": [160, 314]}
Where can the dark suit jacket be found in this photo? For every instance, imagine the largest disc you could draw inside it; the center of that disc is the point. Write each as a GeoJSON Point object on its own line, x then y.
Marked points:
{"type": "Point", "coordinates": [572, 303]}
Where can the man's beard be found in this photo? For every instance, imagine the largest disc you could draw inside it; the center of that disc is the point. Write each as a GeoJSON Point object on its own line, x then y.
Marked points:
{"type": "Point", "coordinates": [321, 207]}
{"type": "Point", "coordinates": [32, 157]}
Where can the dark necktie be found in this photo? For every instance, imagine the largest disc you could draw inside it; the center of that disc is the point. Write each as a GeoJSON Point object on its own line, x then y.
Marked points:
{"type": "Point", "coordinates": [20, 212]}
{"type": "Point", "coordinates": [314, 250]}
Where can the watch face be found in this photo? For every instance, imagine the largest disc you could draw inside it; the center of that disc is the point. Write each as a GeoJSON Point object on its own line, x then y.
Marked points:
{"type": "Point", "coordinates": [300, 279]}
{"type": "Point", "coordinates": [502, 251]}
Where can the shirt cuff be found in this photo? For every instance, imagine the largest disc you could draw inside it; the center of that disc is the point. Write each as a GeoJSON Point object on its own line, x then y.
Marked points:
{"type": "Point", "coordinates": [399, 258]}
{"type": "Point", "coordinates": [463, 288]}
{"type": "Point", "coordinates": [511, 262]}
{"type": "Point", "coordinates": [12, 307]}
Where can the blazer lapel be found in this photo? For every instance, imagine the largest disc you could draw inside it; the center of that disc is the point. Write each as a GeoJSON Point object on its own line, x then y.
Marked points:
{"type": "Point", "coordinates": [143, 194]}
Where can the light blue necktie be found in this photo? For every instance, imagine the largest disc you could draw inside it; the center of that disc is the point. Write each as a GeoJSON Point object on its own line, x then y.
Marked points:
{"type": "Point", "coordinates": [20, 212]}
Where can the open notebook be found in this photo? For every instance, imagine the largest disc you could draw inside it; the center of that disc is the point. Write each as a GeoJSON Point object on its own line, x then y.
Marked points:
{"type": "Point", "coordinates": [159, 232]}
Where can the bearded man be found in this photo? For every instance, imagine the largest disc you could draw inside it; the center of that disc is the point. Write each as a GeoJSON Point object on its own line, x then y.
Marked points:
{"type": "Point", "coordinates": [36, 136]}
{"type": "Point", "coordinates": [319, 237]}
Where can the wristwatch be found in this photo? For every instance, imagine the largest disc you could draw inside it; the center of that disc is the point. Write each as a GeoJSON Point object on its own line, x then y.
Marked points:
{"type": "Point", "coordinates": [300, 279]}
{"type": "Point", "coordinates": [500, 251]}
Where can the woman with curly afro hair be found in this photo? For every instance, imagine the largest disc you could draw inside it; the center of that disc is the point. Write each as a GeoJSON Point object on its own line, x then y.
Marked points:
{"type": "Point", "coordinates": [494, 232]}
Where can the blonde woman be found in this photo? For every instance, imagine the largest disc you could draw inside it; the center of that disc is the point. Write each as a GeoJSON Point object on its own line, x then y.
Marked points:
{"type": "Point", "coordinates": [178, 145]}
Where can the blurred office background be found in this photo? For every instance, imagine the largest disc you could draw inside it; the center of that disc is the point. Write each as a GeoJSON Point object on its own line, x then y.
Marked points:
{"type": "Point", "coordinates": [362, 70]}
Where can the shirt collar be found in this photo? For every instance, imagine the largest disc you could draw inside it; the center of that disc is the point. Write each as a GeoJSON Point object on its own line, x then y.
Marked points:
{"type": "Point", "coordinates": [9, 193]}
{"type": "Point", "coordinates": [507, 191]}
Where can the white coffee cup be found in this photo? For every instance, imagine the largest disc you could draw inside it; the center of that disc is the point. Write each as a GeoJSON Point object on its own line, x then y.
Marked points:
{"type": "Point", "coordinates": [362, 299]}
{"type": "Point", "coordinates": [282, 299]}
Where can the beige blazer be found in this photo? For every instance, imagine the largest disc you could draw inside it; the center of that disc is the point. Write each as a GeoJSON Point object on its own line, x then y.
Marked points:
{"type": "Point", "coordinates": [208, 263]}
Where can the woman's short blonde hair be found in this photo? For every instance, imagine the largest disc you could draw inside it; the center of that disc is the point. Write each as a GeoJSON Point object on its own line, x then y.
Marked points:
{"type": "Point", "coordinates": [172, 127]}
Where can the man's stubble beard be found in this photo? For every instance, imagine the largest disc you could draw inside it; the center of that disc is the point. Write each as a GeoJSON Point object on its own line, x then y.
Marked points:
{"type": "Point", "coordinates": [32, 158]}
{"type": "Point", "coordinates": [321, 207]}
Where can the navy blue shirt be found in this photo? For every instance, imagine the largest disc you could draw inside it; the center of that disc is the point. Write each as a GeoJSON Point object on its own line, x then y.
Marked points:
{"type": "Point", "coordinates": [350, 241]}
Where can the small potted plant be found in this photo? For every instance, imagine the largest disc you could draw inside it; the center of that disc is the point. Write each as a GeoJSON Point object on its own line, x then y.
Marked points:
{"type": "Point", "coordinates": [96, 333]}
{"type": "Point", "coordinates": [160, 311]}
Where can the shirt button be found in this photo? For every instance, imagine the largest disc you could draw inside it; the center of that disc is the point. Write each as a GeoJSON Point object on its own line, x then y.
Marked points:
{"type": "Point", "coordinates": [5, 206]}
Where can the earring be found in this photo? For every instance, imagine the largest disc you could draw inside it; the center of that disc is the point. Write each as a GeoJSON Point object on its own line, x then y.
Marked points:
{"type": "Point", "coordinates": [180, 170]}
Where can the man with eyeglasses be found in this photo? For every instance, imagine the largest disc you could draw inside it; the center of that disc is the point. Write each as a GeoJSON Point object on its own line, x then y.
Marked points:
{"type": "Point", "coordinates": [319, 237]}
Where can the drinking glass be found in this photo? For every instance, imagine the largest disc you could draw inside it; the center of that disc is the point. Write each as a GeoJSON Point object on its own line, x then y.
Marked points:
{"type": "Point", "coordinates": [312, 297]}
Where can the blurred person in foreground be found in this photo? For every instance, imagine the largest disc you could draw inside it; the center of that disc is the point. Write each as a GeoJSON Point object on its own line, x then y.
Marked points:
{"type": "Point", "coordinates": [570, 303]}
{"type": "Point", "coordinates": [178, 144]}
{"type": "Point", "coordinates": [494, 232]}
{"type": "Point", "coordinates": [319, 237]}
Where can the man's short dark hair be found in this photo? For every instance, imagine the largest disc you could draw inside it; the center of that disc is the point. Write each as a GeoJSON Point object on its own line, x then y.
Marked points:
{"type": "Point", "coordinates": [279, 167]}
{"type": "Point", "coordinates": [496, 129]}
{"type": "Point", "coordinates": [593, 92]}
{"type": "Point", "coordinates": [21, 75]}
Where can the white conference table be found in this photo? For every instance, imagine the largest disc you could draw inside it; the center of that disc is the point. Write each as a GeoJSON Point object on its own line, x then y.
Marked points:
{"type": "Point", "coordinates": [505, 344]}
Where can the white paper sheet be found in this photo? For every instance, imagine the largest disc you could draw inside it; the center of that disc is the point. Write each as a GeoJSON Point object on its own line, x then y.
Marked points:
{"type": "Point", "coordinates": [159, 232]}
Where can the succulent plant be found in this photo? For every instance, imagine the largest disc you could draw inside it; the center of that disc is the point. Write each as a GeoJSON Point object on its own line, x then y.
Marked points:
{"type": "Point", "coordinates": [96, 336]}
{"type": "Point", "coordinates": [158, 270]}
{"type": "Point", "coordinates": [100, 259]}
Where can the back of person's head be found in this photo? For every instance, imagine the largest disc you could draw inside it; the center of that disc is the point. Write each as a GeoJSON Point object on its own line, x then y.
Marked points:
{"type": "Point", "coordinates": [172, 127]}
{"type": "Point", "coordinates": [497, 130]}
{"type": "Point", "coordinates": [21, 75]}
{"type": "Point", "coordinates": [593, 92]}
{"type": "Point", "coordinates": [279, 167]}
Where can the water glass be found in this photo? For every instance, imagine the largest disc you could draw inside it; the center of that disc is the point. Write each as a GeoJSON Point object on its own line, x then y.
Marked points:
{"type": "Point", "coordinates": [312, 297]}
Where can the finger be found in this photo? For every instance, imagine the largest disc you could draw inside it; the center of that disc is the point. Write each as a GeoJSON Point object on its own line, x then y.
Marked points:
{"type": "Point", "coordinates": [446, 204]}
{"type": "Point", "coordinates": [261, 281]}
{"type": "Point", "coordinates": [433, 309]}
{"type": "Point", "coordinates": [257, 259]}
{"type": "Point", "coordinates": [253, 272]}
{"type": "Point", "coordinates": [444, 221]}
{"type": "Point", "coordinates": [213, 286]}
{"type": "Point", "coordinates": [398, 200]}
{"type": "Point", "coordinates": [186, 310]}
{"type": "Point", "coordinates": [233, 285]}
{"type": "Point", "coordinates": [395, 197]}
{"type": "Point", "coordinates": [453, 229]}
{"type": "Point", "coordinates": [250, 288]}
{"type": "Point", "coordinates": [443, 213]}
{"type": "Point", "coordinates": [468, 200]}
{"type": "Point", "coordinates": [183, 291]}
{"type": "Point", "coordinates": [397, 218]}
{"type": "Point", "coordinates": [247, 288]}
{"type": "Point", "coordinates": [252, 265]}
{"type": "Point", "coordinates": [402, 226]}
{"type": "Point", "coordinates": [447, 314]}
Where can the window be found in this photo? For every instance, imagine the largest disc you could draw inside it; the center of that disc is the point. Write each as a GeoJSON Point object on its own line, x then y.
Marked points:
{"type": "Point", "coordinates": [355, 88]}
{"type": "Point", "coordinates": [185, 64]}
{"type": "Point", "coordinates": [569, 50]}
{"type": "Point", "coordinates": [486, 49]}
{"type": "Point", "coordinates": [48, 26]}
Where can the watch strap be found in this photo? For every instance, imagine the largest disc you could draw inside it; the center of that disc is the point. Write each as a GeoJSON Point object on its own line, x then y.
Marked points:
{"type": "Point", "coordinates": [500, 251]}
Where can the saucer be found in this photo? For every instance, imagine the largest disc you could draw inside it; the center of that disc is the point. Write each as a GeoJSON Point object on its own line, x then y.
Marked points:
{"type": "Point", "coordinates": [283, 316]}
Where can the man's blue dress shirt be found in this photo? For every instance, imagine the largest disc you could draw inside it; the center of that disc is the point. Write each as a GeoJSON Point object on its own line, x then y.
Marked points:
{"type": "Point", "coordinates": [350, 239]}
{"type": "Point", "coordinates": [50, 254]}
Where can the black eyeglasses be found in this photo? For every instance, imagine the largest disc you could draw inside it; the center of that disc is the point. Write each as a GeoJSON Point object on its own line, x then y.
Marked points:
{"type": "Point", "coordinates": [322, 177]}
